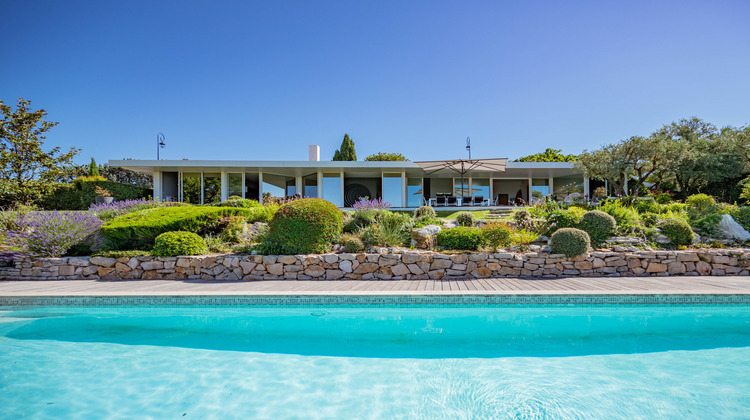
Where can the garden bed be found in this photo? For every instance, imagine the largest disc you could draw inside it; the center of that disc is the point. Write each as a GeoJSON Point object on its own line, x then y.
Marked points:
{"type": "Point", "coordinates": [409, 265]}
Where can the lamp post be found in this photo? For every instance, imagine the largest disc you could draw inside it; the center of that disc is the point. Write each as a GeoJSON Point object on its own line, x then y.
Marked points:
{"type": "Point", "coordinates": [159, 143]}
{"type": "Point", "coordinates": [468, 146]}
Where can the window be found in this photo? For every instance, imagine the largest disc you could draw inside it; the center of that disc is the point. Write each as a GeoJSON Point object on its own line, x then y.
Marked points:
{"type": "Point", "coordinates": [332, 189]}
{"type": "Point", "coordinates": [392, 189]}
{"type": "Point", "coordinates": [539, 189]}
{"type": "Point", "coordinates": [480, 187]}
{"type": "Point", "coordinates": [234, 184]}
{"type": "Point", "coordinates": [414, 192]}
{"type": "Point", "coordinates": [191, 188]}
{"type": "Point", "coordinates": [310, 186]}
{"type": "Point", "coordinates": [211, 188]}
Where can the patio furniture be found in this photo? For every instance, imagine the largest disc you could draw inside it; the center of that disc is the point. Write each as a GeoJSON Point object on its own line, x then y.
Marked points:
{"type": "Point", "coordinates": [466, 201]}
{"type": "Point", "coordinates": [451, 201]}
{"type": "Point", "coordinates": [440, 201]}
{"type": "Point", "coordinates": [479, 199]}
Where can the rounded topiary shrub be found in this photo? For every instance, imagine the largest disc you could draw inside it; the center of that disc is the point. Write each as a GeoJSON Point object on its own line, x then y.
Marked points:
{"type": "Point", "coordinates": [306, 226]}
{"type": "Point", "coordinates": [598, 224]}
{"type": "Point", "coordinates": [570, 241]}
{"type": "Point", "coordinates": [465, 218]}
{"type": "Point", "coordinates": [425, 212]}
{"type": "Point", "coordinates": [678, 230]}
{"type": "Point", "coordinates": [354, 245]}
{"type": "Point", "coordinates": [172, 244]}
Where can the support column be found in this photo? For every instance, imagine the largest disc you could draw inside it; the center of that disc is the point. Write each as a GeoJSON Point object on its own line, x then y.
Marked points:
{"type": "Point", "coordinates": [224, 185]}
{"type": "Point", "coordinates": [404, 190]}
{"type": "Point", "coordinates": [202, 188]}
{"type": "Point", "coordinates": [260, 186]}
{"type": "Point", "coordinates": [320, 184]}
{"type": "Point", "coordinates": [298, 185]}
{"type": "Point", "coordinates": [529, 198]}
{"type": "Point", "coordinates": [625, 186]}
{"type": "Point", "coordinates": [157, 186]}
{"type": "Point", "coordinates": [586, 188]}
{"type": "Point", "coordinates": [341, 177]}
{"type": "Point", "coordinates": [552, 187]}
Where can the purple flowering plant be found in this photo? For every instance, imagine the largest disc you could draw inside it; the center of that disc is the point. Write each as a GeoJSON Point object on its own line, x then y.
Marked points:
{"type": "Point", "coordinates": [367, 205]}
{"type": "Point", "coordinates": [51, 234]}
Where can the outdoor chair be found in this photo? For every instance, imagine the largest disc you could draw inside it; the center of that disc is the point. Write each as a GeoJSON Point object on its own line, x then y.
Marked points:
{"type": "Point", "coordinates": [440, 201]}
{"type": "Point", "coordinates": [466, 201]}
{"type": "Point", "coordinates": [479, 200]}
{"type": "Point", "coordinates": [452, 201]}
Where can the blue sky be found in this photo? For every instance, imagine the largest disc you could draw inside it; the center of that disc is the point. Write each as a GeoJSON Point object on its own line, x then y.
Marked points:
{"type": "Point", "coordinates": [262, 80]}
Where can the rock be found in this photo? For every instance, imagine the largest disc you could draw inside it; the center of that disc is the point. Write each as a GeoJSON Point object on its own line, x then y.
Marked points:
{"type": "Point", "coordinates": [287, 259]}
{"type": "Point", "coordinates": [449, 224]}
{"type": "Point", "coordinates": [315, 271]}
{"type": "Point", "coordinates": [400, 270]}
{"type": "Point", "coordinates": [365, 268]}
{"type": "Point", "coordinates": [102, 261]}
{"type": "Point", "coordinates": [275, 269]}
{"type": "Point", "coordinates": [346, 266]}
{"type": "Point", "coordinates": [662, 239]}
{"type": "Point", "coordinates": [625, 240]}
{"type": "Point", "coordinates": [729, 228]}
{"type": "Point", "coordinates": [656, 268]}
{"type": "Point", "coordinates": [67, 270]}
{"type": "Point", "coordinates": [482, 272]}
{"type": "Point", "coordinates": [425, 237]}
{"type": "Point", "coordinates": [544, 240]}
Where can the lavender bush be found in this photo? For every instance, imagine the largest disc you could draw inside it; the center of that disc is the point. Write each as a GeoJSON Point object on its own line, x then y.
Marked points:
{"type": "Point", "coordinates": [364, 204]}
{"type": "Point", "coordinates": [51, 234]}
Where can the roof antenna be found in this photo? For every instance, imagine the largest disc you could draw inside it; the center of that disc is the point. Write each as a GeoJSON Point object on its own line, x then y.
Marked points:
{"type": "Point", "coordinates": [468, 146]}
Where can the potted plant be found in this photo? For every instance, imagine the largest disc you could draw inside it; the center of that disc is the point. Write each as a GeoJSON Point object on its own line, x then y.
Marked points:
{"type": "Point", "coordinates": [103, 195]}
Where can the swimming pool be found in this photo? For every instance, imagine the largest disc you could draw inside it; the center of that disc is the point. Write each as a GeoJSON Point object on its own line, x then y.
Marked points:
{"type": "Point", "coordinates": [378, 361]}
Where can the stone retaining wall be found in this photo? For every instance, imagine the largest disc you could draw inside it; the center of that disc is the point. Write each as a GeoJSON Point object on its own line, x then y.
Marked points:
{"type": "Point", "coordinates": [402, 265]}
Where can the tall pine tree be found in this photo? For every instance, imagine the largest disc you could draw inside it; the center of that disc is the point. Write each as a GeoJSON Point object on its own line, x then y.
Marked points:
{"type": "Point", "coordinates": [346, 152]}
{"type": "Point", "coordinates": [93, 168]}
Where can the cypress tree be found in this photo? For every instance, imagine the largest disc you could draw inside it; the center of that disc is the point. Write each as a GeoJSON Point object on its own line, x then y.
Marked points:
{"type": "Point", "coordinates": [93, 168]}
{"type": "Point", "coordinates": [346, 152]}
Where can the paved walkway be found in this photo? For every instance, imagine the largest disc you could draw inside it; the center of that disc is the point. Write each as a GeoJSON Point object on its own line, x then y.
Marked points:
{"type": "Point", "coordinates": [498, 286]}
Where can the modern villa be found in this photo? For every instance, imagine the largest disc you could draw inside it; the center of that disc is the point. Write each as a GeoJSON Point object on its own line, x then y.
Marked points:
{"type": "Point", "coordinates": [485, 182]}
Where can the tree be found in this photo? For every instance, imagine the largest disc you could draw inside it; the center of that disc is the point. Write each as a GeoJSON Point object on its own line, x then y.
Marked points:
{"type": "Point", "coordinates": [93, 168]}
{"type": "Point", "coordinates": [636, 157]}
{"type": "Point", "coordinates": [24, 165]}
{"type": "Point", "coordinates": [549, 155]}
{"type": "Point", "coordinates": [346, 151]}
{"type": "Point", "coordinates": [112, 173]}
{"type": "Point", "coordinates": [386, 157]}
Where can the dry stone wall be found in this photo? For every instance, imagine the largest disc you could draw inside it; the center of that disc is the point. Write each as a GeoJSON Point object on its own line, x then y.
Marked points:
{"type": "Point", "coordinates": [398, 265]}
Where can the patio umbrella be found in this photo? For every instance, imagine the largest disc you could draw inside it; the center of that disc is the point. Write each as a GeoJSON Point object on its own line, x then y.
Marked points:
{"type": "Point", "coordinates": [463, 166]}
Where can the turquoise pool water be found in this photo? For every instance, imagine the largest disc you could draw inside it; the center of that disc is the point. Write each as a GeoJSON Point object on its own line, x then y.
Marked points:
{"type": "Point", "coordinates": [526, 362]}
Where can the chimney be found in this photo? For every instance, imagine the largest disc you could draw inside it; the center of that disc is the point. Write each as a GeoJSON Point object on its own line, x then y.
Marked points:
{"type": "Point", "coordinates": [314, 153]}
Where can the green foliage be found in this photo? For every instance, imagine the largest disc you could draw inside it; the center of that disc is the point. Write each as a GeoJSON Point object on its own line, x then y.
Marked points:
{"type": "Point", "coordinates": [523, 237]}
{"type": "Point", "coordinates": [139, 229]}
{"type": "Point", "coordinates": [109, 173]}
{"type": "Point", "coordinates": [346, 152]}
{"type": "Point", "coordinates": [263, 214]}
{"type": "Point", "coordinates": [306, 226]}
{"type": "Point", "coordinates": [425, 211]}
{"type": "Point", "coordinates": [353, 244]}
{"type": "Point", "coordinates": [497, 234]}
{"type": "Point", "coordinates": [549, 155]}
{"type": "Point", "coordinates": [625, 216]}
{"type": "Point", "coordinates": [389, 229]}
{"type": "Point", "coordinates": [93, 168]}
{"type": "Point", "coordinates": [465, 218]}
{"type": "Point", "coordinates": [34, 192]}
{"type": "Point", "coordinates": [122, 254]}
{"type": "Point", "coordinates": [386, 157]}
{"type": "Point", "coordinates": [598, 224]}
{"type": "Point", "coordinates": [461, 237]}
{"type": "Point", "coordinates": [217, 244]}
{"type": "Point", "coordinates": [172, 244]}
{"type": "Point", "coordinates": [424, 221]}
{"type": "Point", "coordinates": [742, 216]}
{"type": "Point", "coordinates": [678, 230]}
{"type": "Point", "coordinates": [23, 162]}
{"type": "Point", "coordinates": [80, 195]}
{"type": "Point", "coordinates": [646, 206]}
{"type": "Point", "coordinates": [701, 203]}
{"type": "Point", "coordinates": [236, 201]}
{"type": "Point", "coordinates": [570, 241]}
{"type": "Point", "coordinates": [559, 219]}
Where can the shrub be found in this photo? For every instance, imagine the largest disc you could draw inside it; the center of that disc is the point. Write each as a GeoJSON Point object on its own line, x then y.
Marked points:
{"type": "Point", "coordinates": [122, 254]}
{"type": "Point", "coordinates": [80, 195]}
{"type": "Point", "coordinates": [237, 201]}
{"type": "Point", "coordinates": [304, 226]}
{"type": "Point", "coordinates": [700, 202]}
{"type": "Point", "coordinates": [172, 244]}
{"type": "Point", "coordinates": [364, 204]}
{"type": "Point", "coordinates": [497, 234]}
{"type": "Point", "coordinates": [678, 230]}
{"type": "Point", "coordinates": [425, 212]}
{"type": "Point", "coordinates": [646, 206]}
{"type": "Point", "coordinates": [217, 244]}
{"type": "Point", "coordinates": [255, 233]}
{"type": "Point", "coordinates": [262, 214]}
{"type": "Point", "coordinates": [138, 230]}
{"type": "Point", "coordinates": [389, 229]}
{"type": "Point", "coordinates": [559, 219]}
{"type": "Point", "coordinates": [465, 218]}
{"type": "Point", "coordinates": [107, 211]}
{"type": "Point", "coordinates": [353, 244]}
{"type": "Point", "coordinates": [742, 216]}
{"type": "Point", "coordinates": [570, 241]}
{"type": "Point", "coordinates": [522, 237]}
{"type": "Point", "coordinates": [424, 221]}
{"type": "Point", "coordinates": [598, 224]}
{"type": "Point", "coordinates": [625, 216]}
{"type": "Point", "coordinates": [51, 234]}
{"type": "Point", "coordinates": [232, 228]}
{"type": "Point", "coordinates": [461, 237]}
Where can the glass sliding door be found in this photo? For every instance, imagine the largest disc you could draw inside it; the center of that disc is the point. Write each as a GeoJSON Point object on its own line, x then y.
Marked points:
{"type": "Point", "coordinates": [480, 187]}
{"type": "Point", "coordinates": [211, 188]}
{"type": "Point", "coordinates": [310, 186]}
{"type": "Point", "coordinates": [461, 190]}
{"type": "Point", "coordinates": [392, 189]}
{"type": "Point", "coordinates": [234, 182]}
{"type": "Point", "coordinates": [414, 192]}
{"type": "Point", "coordinates": [332, 189]}
{"type": "Point", "coordinates": [539, 189]}
{"type": "Point", "coordinates": [191, 187]}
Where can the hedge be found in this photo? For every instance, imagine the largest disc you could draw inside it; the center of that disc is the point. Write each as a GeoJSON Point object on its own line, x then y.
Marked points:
{"type": "Point", "coordinates": [570, 241]}
{"type": "Point", "coordinates": [462, 237]}
{"type": "Point", "coordinates": [139, 230]}
{"type": "Point", "coordinates": [80, 195]}
{"type": "Point", "coordinates": [306, 226]}
{"type": "Point", "coordinates": [172, 244]}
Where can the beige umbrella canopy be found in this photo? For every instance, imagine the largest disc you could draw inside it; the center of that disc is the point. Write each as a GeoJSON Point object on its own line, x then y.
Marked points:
{"type": "Point", "coordinates": [463, 166]}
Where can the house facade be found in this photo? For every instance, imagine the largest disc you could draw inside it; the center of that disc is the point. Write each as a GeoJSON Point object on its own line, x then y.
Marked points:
{"type": "Point", "coordinates": [403, 184]}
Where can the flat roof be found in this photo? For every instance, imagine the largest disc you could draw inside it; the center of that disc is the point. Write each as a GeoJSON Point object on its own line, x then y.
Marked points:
{"type": "Point", "coordinates": [360, 168]}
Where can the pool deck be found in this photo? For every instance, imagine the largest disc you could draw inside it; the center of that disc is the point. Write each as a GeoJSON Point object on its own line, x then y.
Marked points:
{"type": "Point", "coordinates": [687, 285]}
